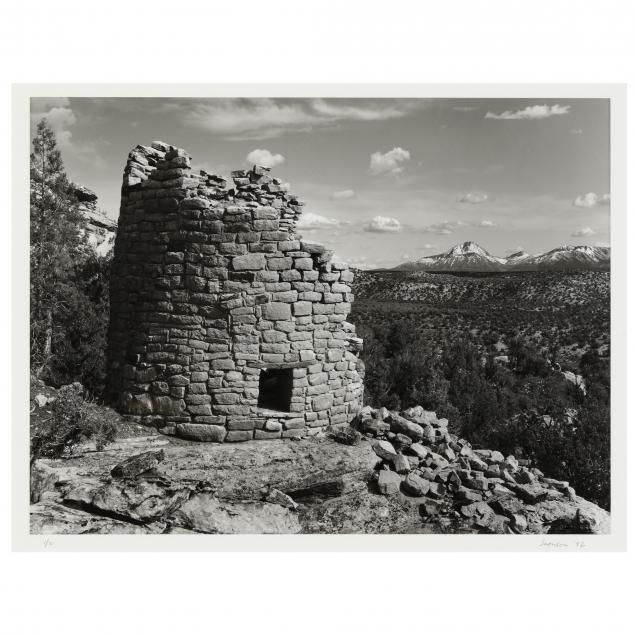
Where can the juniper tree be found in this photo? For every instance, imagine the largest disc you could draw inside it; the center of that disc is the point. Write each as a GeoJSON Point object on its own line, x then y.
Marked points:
{"type": "Point", "coordinates": [57, 245]}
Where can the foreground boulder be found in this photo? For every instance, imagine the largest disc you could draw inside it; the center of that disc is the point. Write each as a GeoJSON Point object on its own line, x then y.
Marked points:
{"type": "Point", "coordinates": [137, 464]}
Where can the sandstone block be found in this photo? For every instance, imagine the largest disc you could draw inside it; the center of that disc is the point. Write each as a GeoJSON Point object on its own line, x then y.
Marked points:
{"type": "Point", "coordinates": [402, 425]}
{"type": "Point", "coordinates": [414, 485]}
{"type": "Point", "coordinates": [264, 435]}
{"type": "Point", "coordinates": [232, 410]}
{"type": "Point", "coordinates": [400, 464]}
{"type": "Point", "coordinates": [249, 262]}
{"type": "Point", "coordinates": [168, 406]}
{"type": "Point", "coordinates": [234, 423]}
{"type": "Point", "coordinates": [276, 311]}
{"type": "Point", "coordinates": [388, 482]}
{"type": "Point", "coordinates": [302, 264]}
{"type": "Point", "coordinates": [285, 296]}
{"type": "Point", "coordinates": [197, 400]}
{"type": "Point", "coordinates": [228, 398]}
{"type": "Point", "coordinates": [384, 450]}
{"type": "Point", "coordinates": [234, 436]}
{"type": "Point", "coordinates": [201, 432]}
{"type": "Point", "coordinates": [279, 264]}
{"type": "Point", "coordinates": [203, 409]}
{"type": "Point", "coordinates": [302, 308]}
{"type": "Point", "coordinates": [322, 402]}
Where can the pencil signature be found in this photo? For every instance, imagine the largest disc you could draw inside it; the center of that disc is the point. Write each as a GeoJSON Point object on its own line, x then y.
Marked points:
{"type": "Point", "coordinates": [554, 544]}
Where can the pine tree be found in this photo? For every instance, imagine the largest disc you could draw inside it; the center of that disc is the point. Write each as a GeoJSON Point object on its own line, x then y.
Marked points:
{"type": "Point", "coordinates": [57, 246]}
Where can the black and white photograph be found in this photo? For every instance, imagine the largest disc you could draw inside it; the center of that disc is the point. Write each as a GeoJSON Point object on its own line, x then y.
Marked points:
{"type": "Point", "coordinates": [376, 315]}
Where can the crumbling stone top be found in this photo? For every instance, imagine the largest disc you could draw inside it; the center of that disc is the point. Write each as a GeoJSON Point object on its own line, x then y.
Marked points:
{"type": "Point", "coordinates": [162, 165]}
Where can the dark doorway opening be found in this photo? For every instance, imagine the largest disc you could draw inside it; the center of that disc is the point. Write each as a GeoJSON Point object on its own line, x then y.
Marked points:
{"type": "Point", "coordinates": [274, 390]}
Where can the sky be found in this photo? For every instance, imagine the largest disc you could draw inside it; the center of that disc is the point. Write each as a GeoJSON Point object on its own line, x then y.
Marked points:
{"type": "Point", "coordinates": [384, 180]}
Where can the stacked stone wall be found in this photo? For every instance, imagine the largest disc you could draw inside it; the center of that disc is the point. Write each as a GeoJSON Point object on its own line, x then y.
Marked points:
{"type": "Point", "coordinates": [210, 287]}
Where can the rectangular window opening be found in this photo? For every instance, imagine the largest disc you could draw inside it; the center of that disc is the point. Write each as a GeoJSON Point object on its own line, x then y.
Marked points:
{"type": "Point", "coordinates": [274, 390]}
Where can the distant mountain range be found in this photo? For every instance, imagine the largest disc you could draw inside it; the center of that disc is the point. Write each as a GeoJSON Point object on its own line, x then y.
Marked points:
{"type": "Point", "coordinates": [470, 256]}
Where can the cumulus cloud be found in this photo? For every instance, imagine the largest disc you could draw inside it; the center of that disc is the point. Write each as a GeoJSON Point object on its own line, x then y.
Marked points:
{"type": "Point", "coordinates": [576, 131]}
{"type": "Point", "coordinates": [531, 112]}
{"type": "Point", "coordinates": [448, 227]}
{"type": "Point", "coordinates": [583, 231]}
{"type": "Point", "coordinates": [474, 198]}
{"type": "Point", "coordinates": [268, 118]}
{"type": "Point", "coordinates": [389, 162]}
{"type": "Point", "coordinates": [514, 250]}
{"type": "Point", "coordinates": [464, 108]}
{"type": "Point", "coordinates": [311, 221]}
{"type": "Point", "coordinates": [342, 194]}
{"type": "Point", "coordinates": [260, 156]}
{"type": "Point", "coordinates": [445, 227]}
{"type": "Point", "coordinates": [60, 119]}
{"type": "Point", "coordinates": [591, 199]}
{"type": "Point", "coordinates": [382, 224]}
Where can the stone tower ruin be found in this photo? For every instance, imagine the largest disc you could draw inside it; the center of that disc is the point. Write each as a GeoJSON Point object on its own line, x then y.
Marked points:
{"type": "Point", "coordinates": [224, 324]}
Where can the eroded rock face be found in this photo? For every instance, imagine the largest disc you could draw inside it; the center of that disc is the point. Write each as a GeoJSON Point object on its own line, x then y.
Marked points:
{"type": "Point", "coordinates": [139, 501]}
{"type": "Point", "coordinates": [50, 516]}
{"type": "Point", "coordinates": [204, 513]}
{"type": "Point", "coordinates": [226, 326]}
{"type": "Point", "coordinates": [42, 479]}
{"type": "Point", "coordinates": [100, 229]}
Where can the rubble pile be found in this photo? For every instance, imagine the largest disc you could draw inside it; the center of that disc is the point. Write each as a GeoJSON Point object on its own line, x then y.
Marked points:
{"type": "Point", "coordinates": [449, 478]}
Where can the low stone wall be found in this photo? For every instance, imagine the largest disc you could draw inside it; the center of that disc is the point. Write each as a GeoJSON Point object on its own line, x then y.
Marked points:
{"type": "Point", "coordinates": [215, 299]}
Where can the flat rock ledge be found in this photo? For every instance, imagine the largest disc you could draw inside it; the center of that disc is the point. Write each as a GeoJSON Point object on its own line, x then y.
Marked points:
{"type": "Point", "coordinates": [401, 475]}
{"type": "Point", "coordinates": [196, 487]}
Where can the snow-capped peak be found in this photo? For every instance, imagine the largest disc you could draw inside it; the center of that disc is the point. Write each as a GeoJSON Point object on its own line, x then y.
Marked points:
{"type": "Point", "coordinates": [518, 255]}
{"type": "Point", "coordinates": [586, 250]}
{"type": "Point", "coordinates": [468, 247]}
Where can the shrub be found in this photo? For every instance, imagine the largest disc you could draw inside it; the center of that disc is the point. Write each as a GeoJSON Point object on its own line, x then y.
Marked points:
{"type": "Point", "coordinates": [73, 420]}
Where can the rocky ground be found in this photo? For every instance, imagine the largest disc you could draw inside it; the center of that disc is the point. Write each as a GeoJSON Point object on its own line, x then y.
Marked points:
{"type": "Point", "coordinates": [400, 473]}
